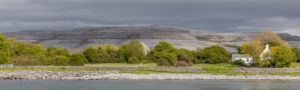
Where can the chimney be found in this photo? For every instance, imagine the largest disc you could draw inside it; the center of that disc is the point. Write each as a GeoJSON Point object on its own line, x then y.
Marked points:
{"type": "Point", "coordinates": [267, 46]}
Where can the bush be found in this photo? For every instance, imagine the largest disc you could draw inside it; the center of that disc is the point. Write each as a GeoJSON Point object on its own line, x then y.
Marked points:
{"type": "Point", "coordinates": [186, 55]}
{"type": "Point", "coordinates": [239, 62]}
{"type": "Point", "coordinates": [182, 64]}
{"type": "Point", "coordinates": [134, 60]}
{"type": "Point", "coordinates": [166, 59]}
{"type": "Point", "coordinates": [4, 47]}
{"type": "Point", "coordinates": [164, 54]}
{"type": "Point", "coordinates": [213, 55]}
{"type": "Point", "coordinates": [296, 52]}
{"type": "Point", "coordinates": [61, 61]}
{"type": "Point", "coordinates": [77, 59]}
{"type": "Point", "coordinates": [102, 54]}
{"type": "Point", "coordinates": [135, 49]}
{"type": "Point", "coordinates": [53, 51]}
{"type": "Point", "coordinates": [36, 60]}
{"type": "Point", "coordinates": [281, 56]}
{"type": "Point", "coordinates": [3, 58]}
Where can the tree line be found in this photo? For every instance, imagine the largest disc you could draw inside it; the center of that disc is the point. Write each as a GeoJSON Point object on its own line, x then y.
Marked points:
{"type": "Point", "coordinates": [164, 53]}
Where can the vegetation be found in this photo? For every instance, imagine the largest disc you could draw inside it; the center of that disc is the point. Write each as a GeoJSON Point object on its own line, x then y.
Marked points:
{"type": "Point", "coordinates": [213, 55]}
{"type": "Point", "coordinates": [164, 54]}
{"type": "Point", "coordinates": [281, 56]}
{"type": "Point", "coordinates": [137, 53]}
{"type": "Point", "coordinates": [271, 38]}
{"type": "Point", "coordinates": [102, 54]}
{"type": "Point", "coordinates": [296, 52]}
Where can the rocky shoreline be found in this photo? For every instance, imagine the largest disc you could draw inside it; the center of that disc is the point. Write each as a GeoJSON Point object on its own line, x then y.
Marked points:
{"type": "Point", "coordinates": [115, 75]}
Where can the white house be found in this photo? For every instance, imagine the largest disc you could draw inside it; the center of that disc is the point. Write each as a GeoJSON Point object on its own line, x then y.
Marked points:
{"type": "Point", "coordinates": [265, 52]}
{"type": "Point", "coordinates": [248, 59]}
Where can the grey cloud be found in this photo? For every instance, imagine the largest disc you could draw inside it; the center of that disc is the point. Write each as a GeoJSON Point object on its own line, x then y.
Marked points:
{"type": "Point", "coordinates": [210, 15]}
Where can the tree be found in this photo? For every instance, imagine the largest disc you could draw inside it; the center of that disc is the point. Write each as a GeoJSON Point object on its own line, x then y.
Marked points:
{"type": "Point", "coordinates": [213, 55]}
{"type": "Point", "coordinates": [281, 56]}
{"type": "Point", "coordinates": [101, 54]}
{"type": "Point", "coordinates": [77, 59]}
{"type": "Point", "coordinates": [3, 58]}
{"type": "Point", "coordinates": [53, 51]}
{"type": "Point", "coordinates": [91, 53]}
{"type": "Point", "coordinates": [271, 38]}
{"type": "Point", "coordinates": [186, 56]}
{"type": "Point", "coordinates": [296, 52]}
{"type": "Point", "coordinates": [134, 52]}
{"type": "Point", "coordinates": [4, 45]}
{"type": "Point", "coordinates": [254, 48]}
{"type": "Point", "coordinates": [61, 61]}
{"type": "Point", "coordinates": [164, 54]}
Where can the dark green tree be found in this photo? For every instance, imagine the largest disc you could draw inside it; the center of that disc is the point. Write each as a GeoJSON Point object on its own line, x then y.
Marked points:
{"type": "Point", "coordinates": [213, 55]}
{"type": "Point", "coordinates": [164, 54]}
{"type": "Point", "coordinates": [281, 56]}
{"type": "Point", "coordinates": [3, 58]}
{"type": "Point", "coordinates": [77, 59]}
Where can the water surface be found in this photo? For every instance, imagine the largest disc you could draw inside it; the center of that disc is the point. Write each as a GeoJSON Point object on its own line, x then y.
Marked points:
{"type": "Point", "coordinates": [149, 85]}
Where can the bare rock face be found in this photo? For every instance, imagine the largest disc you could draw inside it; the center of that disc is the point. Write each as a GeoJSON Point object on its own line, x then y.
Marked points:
{"type": "Point", "coordinates": [150, 35]}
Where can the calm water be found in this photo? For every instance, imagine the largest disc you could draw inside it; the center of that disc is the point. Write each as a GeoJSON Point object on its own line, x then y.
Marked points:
{"type": "Point", "coordinates": [148, 85]}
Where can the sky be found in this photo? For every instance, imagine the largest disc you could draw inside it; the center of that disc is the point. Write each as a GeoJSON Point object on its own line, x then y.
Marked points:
{"type": "Point", "coordinates": [209, 15]}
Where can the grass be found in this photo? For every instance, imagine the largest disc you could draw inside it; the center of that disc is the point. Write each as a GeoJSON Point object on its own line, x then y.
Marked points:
{"type": "Point", "coordinates": [214, 69]}
{"type": "Point", "coordinates": [49, 69]}
{"type": "Point", "coordinates": [295, 65]}
{"type": "Point", "coordinates": [120, 65]}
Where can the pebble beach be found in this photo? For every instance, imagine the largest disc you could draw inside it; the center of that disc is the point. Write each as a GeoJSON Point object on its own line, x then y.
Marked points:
{"type": "Point", "coordinates": [115, 75]}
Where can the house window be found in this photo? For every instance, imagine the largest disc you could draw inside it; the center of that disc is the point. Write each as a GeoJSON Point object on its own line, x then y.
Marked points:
{"type": "Point", "coordinates": [248, 60]}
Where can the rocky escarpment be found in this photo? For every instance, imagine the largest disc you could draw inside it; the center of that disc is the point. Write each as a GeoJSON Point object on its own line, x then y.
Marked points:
{"type": "Point", "coordinates": [150, 35]}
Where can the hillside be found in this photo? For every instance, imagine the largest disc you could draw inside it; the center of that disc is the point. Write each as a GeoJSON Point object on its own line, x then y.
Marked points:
{"type": "Point", "coordinates": [150, 35]}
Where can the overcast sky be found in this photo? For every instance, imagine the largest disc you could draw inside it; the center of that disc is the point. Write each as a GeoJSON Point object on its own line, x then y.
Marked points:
{"type": "Point", "coordinates": [210, 15]}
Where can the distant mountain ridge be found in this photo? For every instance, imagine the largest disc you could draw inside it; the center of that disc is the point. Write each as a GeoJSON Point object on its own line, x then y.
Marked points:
{"type": "Point", "coordinates": [150, 35]}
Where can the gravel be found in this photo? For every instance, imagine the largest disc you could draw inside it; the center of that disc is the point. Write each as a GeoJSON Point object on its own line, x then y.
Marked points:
{"type": "Point", "coordinates": [115, 75]}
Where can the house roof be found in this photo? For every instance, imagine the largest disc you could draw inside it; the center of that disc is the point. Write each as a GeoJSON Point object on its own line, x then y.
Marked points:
{"type": "Point", "coordinates": [241, 56]}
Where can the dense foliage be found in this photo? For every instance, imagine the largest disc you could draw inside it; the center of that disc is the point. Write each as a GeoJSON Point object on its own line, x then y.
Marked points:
{"type": "Point", "coordinates": [134, 52]}
{"type": "Point", "coordinates": [213, 55]}
{"type": "Point", "coordinates": [296, 52]}
{"type": "Point", "coordinates": [281, 56]}
{"type": "Point", "coordinates": [102, 54]}
{"type": "Point", "coordinates": [239, 62]}
{"type": "Point", "coordinates": [164, 54]}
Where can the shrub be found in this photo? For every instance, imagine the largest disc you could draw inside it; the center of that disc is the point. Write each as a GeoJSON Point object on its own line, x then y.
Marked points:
{"type": "Point", "coordinates": [30, 60]}
{"type": "Point", "coordinates": [53, 51]}
{"type": "Point", "coordinates": [271, 38]}
{"type": "Point", "coordinates": [135, 49]}
{"type": "Point", "coordinates": [239, 62]}
{"type": "Point", "coordinates": [296, 52]}
{"type": "Point", "coordinates": [134, 60]}
{"type": "Point", "coordinates": [77, 59]}
{"type": "Point", "coordinates": [4, 47]}
{"type": "Point", "coordinates": [61, 61]}
{"type": "Point", "coordinates": [166, 59]}
{"type": "Point", "coordinates": [186, 55]}
{"type": "Point", "coordinates": [213, 55]}
{"type": "Point", "coordinates": [101, 54]}
{"type": "Point", "coordinates": [164, 54]}
{"type": "Point", "coordinates": [281, 56]}
{"type": "Point", "coordinates": [3, 58]}
{"type": "Point", "coordinates": [182, 64]}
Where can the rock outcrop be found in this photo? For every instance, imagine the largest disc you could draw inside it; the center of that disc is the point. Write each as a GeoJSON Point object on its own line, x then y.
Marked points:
{"type": "Point", "coordinates": [150, 35]}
